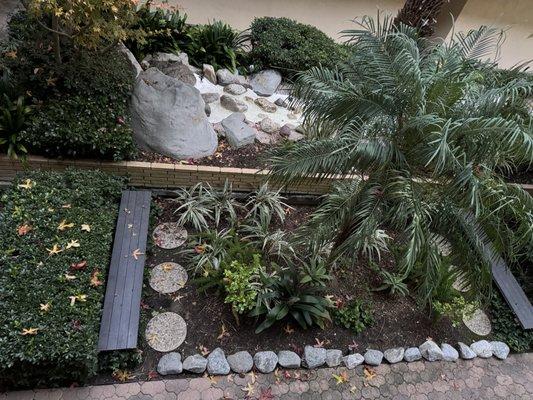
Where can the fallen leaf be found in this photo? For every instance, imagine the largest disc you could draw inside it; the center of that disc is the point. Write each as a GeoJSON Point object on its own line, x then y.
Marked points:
{"type": "Point", "coordinates": [54, 250]}
{"type": "Point", "coordinates": [85, 227]}
{"type": "Point", "coordinates": [122, 375]}
{"type": "Point", "coordinates": [152, 375]}
{"type": "Point", "coordinates": [288, 329]}
{"type": "Point", "coordinates": [136, 253]}
{"type": "Point", "coordinates": [203, 350]}
{"type": "Point", "coordinates": [78, 266]}
{"type": "Point", "coordinates": [199, 249]}
{"type": "Point", "coordinates": [341, 378]}
{"type": "Point", "coordinates": [11, 54]}
{"type": "Point", "coordinates": [80, 297]}
{"type": "Point", "coordinates": [24, 229]}
{"type": "Point", "coordinates": [249, 389]}
{"type": "Point", "coordinates": [95, 281]}
{"type": "Point", "coordinates": [266, 394]}
{"type": "Point", "coordinates": [223, 332]}
{"type": "Point", "coordinates": [70, 277]}
{"type": "Point", "coordinates": [253, 377]}
{"type": "Point", "coordinates": [369, 373]}
{"type": "Point", "coordinates": [353, 389]}
{"type": "Point", "coordinates": [73, 243]}
{"type": "Point", "coordinates": [64, 225]}
{"type": "Point", "coordinates": [28, 184]}
{"type": "Point", "coordinates": [76, 324]}
{"type": "Point", "coordinates": [29, 331]}
{"type": "Point", "coordinates": [44, 307]}
{"type": "Point", "coordinates": [353, 346]}
{"type": "Point", "coordinates": [68, 205]}
{"type": "Point", "coordinates": [167, 267]}
{"type": "Point", "coordinates": [319, 343]}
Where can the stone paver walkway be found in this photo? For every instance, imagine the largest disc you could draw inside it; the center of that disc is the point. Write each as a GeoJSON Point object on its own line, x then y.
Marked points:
{"type": "Point", "coordinates": [475, 379]}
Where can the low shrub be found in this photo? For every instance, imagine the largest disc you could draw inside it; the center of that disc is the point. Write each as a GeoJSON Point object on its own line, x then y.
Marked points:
{"type": "Point", "coordinates": [291, 46]}
{"type": "Point", "coordinates": [56, 233]}
{"type": "Point", "coordinates": [505, 326]}
{"type": "Point", "coordinates": [356, 316]}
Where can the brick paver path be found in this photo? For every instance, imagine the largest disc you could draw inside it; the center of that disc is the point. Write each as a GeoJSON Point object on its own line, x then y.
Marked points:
{"type": "Point", "coordinates": [476, 379]}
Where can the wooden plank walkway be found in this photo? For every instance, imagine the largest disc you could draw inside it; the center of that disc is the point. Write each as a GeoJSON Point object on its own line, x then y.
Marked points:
{"type": "Point", "coordinates": [120, 319]}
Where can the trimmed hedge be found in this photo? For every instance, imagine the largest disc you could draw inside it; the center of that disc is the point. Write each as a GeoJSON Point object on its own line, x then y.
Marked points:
{"type": "Point", "coordinates": [51, 303]}
{"type": "Point", "coordinates": [291, 46]}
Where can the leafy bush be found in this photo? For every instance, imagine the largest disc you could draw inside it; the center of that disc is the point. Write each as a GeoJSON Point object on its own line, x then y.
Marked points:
{"type": "Point", "coordinates": [56, 233]}
{"type": "Point", "coordinates": [505, 326]}
{"type": "Point", "coordinates": [456, 309]}
{"type": "Point", "coordinates": [290, 46]}
{"type": "Point", "coordinates": [13, 119]}
{"type": "Point", "coordinates": [355, 316]}
{"type": "Point", "coordinates": [239, 284]}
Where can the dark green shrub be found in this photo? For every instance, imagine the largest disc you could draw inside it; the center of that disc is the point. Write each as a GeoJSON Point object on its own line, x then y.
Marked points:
{"type": "Point", "coordinates": [356, 316]}
{"type": "Point", "coordinates": [290, 46]}
{"type": "Point", "coordinates": [506, 328]}
{"type": "Point", "coordinates": [46, 337]}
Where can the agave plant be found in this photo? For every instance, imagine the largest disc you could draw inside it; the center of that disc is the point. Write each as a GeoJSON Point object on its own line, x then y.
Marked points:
{"type": "Point", "coordinates": [422, 137]}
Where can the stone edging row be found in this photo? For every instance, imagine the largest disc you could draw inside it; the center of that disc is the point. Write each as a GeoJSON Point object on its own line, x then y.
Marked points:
{"type": "Point", "coordinates": [216, 363]}
{"type": "Point", "coordinates": [172, 176]}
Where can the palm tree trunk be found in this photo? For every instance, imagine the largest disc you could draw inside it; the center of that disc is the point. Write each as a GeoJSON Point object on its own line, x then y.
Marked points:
{"type": "Point", "coordinates": [420, 14]}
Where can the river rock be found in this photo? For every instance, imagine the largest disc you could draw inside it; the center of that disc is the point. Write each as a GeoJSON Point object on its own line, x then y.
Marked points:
{"type": "Point", "coordinates": [265, 82]}
{"type": "Point", "coordinates": [225, 77]}
{"type": "Point", "coordinates": [209, 73]}
{"type": "Point", "coordinates": [180, 72]}
{"type": "Point", "coordinates": [295, 136]}
{"type": "Point", "coordinates": [217, 363]}
{"type": "Point", "coordinates": [235, 89]}
{"type": "Point", "coordinates": [241, 362]}
{"type": "Point", "coordinates": [196, 364]}
{"type": "Point", "coordinates": [482, 348]}
{"type": "Point", "coordinates": [353, 360]}
{"type": "Point", "coordinates": [168, 117]}
{"type": "Point", "coordinates": [280, 102]}
{"type": "Point", "coordinates": [394, 355]}
{"type": "Point", "coordinates": [238, 132]}
{"type": "Point", "coordinates": [466, 352]}
{"type": "Point", "coordinates": [314, 356]}
{"type": "Point", "coordinates": [499, 350]}
{"type": "Point", "coordinates": [449, 353]}
{"type": "Point", "coordinates": [265, 361]}
{"type": "Point", "coordinates": [269, 126]}
{"type": "Point", "coordinates": [170, 364]}
{"type": "Point", "coordinates": [265, 105]}
{"type": "Point", "coordinates": [232, 104]}
{"type": "Point", "coordinates": [333, 358]}
{"type": "Point", "coordinates": [286, 130]}
{"type": "Point", "coordinates": [412, 354]}
{"type": "Point", "coordinates": [373, 357]}
{"type": "Point", "coordinates": [210, 97]}
{"type": "Point", "coordinates": [289, 359]}
{"type": "Point", "coordinates": [431, 351]}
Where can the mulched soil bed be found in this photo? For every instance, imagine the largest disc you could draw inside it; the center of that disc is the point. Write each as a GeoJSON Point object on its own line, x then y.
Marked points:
{"type": "Point", "coordinates": [398, 321]}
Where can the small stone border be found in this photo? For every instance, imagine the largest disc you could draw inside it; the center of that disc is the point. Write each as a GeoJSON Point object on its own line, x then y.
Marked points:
{"type": "Point", "coordinates": [217, 363]}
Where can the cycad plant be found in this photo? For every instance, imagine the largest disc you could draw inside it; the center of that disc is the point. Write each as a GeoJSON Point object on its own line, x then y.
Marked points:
{"type": "Point", "coordinates": [423, 138]}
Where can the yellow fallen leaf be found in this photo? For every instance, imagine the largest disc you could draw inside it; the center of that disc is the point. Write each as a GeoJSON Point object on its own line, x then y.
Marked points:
{"type": "Point", "coordinates": [122, 375]}
{"type": "Point", "coordinates": [167, 267]}
{"type": "Point", "coordinates": [223, 332]}
{"type": "Point", "coordinates": [54, 250]}
{"type": "Point", "coordinates": [29, 331]}
{"type": "Point", "coordinates": [136, 253]}
{"type": "Point", "coordinates": [95, 281]}
{"type": "Point", "coordinates": [28, 184]}
{"type": "Point", "coordinates": [73, 243]}
{"type": "Point", "coordinates": [249, 389]}
{"type": "Point", "coordinates": [85, 227]}
{"type": "Point", "coordinates": [369, 374]}
{"type": "Point", "coordinates": [24, 229]}
{"type": "Point", "coordinates": [79, 297]}
{"type": "Point", "coordinates": [64, 225]}
{"type": "Point", "coordinates": [341, 378]}
{"type": "Point", "coordinates": [44, 307]}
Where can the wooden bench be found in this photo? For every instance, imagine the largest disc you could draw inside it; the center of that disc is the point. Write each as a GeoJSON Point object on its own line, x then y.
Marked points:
{"type": "Point", "coordinates": [119, 326]}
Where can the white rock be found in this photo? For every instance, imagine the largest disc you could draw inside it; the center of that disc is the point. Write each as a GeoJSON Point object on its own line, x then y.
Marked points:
{"type": "Point", "coordinates": [353, 360]}
{"type": "Point", "coordinates": [265, 82]}
{"type": "Point", "coordinates": [499, 350]}
{"type": "Point", "coordinates": [333, 357]}
{"type": "Point", "coordinates": [482, 348]}
{"type": "Point", "coordinates": [394, 355]}
{"type": "Point", "coordinates": [373, 357]}
{"type": "Point", "coordinates": [466, 351]}
{"type": "Point", "coordinates": [238, 132]}
{"type": "Point", "coordinates": [209, 73]}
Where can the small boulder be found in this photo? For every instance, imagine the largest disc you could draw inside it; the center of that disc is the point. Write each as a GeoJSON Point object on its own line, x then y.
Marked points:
{"type": "Point", "coordinates": [333, 358]}
{"type": "Point", "coordinates": [232, 104]}
{"type": "Point", "coordinates": [135, 67]}
{"type": "Point", "coordinates": [210, 97]}
{"type": "Point", "coordinates": [280, 102]}
{"type": "Point", "coordinates": [265, 361]}
{"type": "Point", "coordinates": [241, 362]}
{"type": "Point", "coordinates": [295, 137]}
{"type": "Point", "coordinates": [195, 364]}
{"type": "Point", "coordinates": [235, 89]}
{"type": "Point", "coordinates": [163, 60]}
{"type": "Point", "coordinates": [209, 73]}
{"type": "Point", "coordinates": [314, 356]}
{"type": "Point", "coordinates": [217, 363]}
{"type": "Point", "coordinates": [265, 82]}
{"type": "Point", "coordinates": [394, 355]}
{"type": "Point", "coordinates": [269, 126]}
{"type": "Point", "coordinates": [264, 138]}
{"type": "Point", "coordinates": [449, 353]}
{"type": "Point", "coordinates": [289, 359]}
{"type": "Point", "coordinates": [238, 132]}
{"type": "Point", "coordinates": [499, 350]}
{"type": "Point", "coordinates": [431, 351]}
{"type": "Point", "coordinates": [373, 357]}
{"type": "Point", "coordinates": [353, 360]}
{"type": "Point", "coordinates": [265, 105]}
{"type": "Point", "coordinates": [482, 348]}
{"type": "Point", "coordinates": [225, 77]}
{"type": "Point", "coordinates": [412, 354]}
{"type": "Point", "coordinates": [286, 130]}
{"type": "Point", "coordinates": [466, 352]}
{"type": "Point", "coordinates": [180, 72]}
{"type": "Point", "coordinates": [170, 364]}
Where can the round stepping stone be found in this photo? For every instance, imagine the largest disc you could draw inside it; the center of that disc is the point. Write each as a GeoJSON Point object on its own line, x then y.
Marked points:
{"type": "Point", "coordinates": [169, 235]}
{"type": "Point", "coordinates": [166, 332]}
{"type": "Point", "coordinates": [168, 277]}
{"type": "Point", "coordinates": [478, 323]}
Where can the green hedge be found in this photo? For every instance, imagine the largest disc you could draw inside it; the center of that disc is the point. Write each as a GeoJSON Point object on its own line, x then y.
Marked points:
{"type": "Point", "coordinates": [37, 287]}
{"type": "Point", "coordinates": [290, 46]}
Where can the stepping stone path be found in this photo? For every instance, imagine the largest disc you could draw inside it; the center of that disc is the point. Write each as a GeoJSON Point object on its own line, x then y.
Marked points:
{"type": "Point", "coordinates": [168, 277]}
{"type": "Point", "coordinates": [169, 235]}
{"type": "Point", "coordinates": [478, 323]}
{"type": "Point", "coordinates": [166, 332]}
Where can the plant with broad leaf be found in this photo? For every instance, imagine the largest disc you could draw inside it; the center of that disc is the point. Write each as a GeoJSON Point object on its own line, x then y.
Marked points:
{"type": "Point", "coordinates": [423, 136]}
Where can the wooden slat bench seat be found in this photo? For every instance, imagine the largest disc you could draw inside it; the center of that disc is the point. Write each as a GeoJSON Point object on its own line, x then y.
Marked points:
{"type": "Point", "coordinates": [120, 318]}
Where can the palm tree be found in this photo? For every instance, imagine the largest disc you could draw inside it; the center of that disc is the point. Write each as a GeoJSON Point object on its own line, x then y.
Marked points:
{"type": "Point", "coordinates": [420, 14]}
{"type": "Point", "coordinates": [424, 135]}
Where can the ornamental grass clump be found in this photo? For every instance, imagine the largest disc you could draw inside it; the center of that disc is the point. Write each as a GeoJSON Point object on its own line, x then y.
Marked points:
{"type": "Point", "coordinates": [424, 135]}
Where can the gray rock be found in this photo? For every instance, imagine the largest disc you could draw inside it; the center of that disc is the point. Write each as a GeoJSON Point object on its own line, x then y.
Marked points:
{"type": "Point", "coordinates": [207, 110]}
{"type": "Point", "coordinates": [265, 105]}
{"type": "Point", "coordinates": [265, 82]}
{"type": "Point", "coordinates": [241, 362]}
{"type": "Point", "coordinates": [333, 358]}
{"type": "Point", "coordinates": [235, 89]}
{"type": "Point", "coordinates": [412, 354]}
{"type": "Point", "coordinates": [286, 130]}
{"type": "Point", "coordinates": [238, 132]}
{"type": "Point", "coordinates": [499, 350]}
{"type": "Point", "coordinates": [180, 72]}
{"type": "Point", "coordinates": [225, 77]}
{"type": "Point", "coordinates": [289, 359]}
{"type": "Point", "coordinates": [394, 355]}
{"type": "Point", "coordinates": [232, 104]}
{"type": "Point", "coordinates": [282, 102]}
{"type": "Point", "coordinates": [209, 73]}
{"type": "Point", "coordinates": [265, 361]}
{"type": "Point", "coordinates": [466, 351]}
{"type": "Point", "coordinates": [164, 60]}
{"type": "Point", "coordinates": [353, 360]}
{"type": "Point", "coordinates": [210, 97]}
{"type": "Point", "coordinates": [135, 67]}
{"type": "Point", "coordinates": [217, 363]}
{"type": "Point", "coordinates": [292, 116]}
{"type": "Point", "coordinates": [170, 363]}
{"type": "Point", "coordinates": [449, 353]}
{"type": "Point", "coordinates": [168, 117]}
{"type": "Point", "coordinates": [269, 126]}
{"type": "Point", "coordinates": [431, 351]}
{"type": "Point", "coordinates": [195, 364]}
{"type": "Point", "coordinates": [295, 136]}
{"type": "Point", "coordinates": [314, 356]}
{"type": "Point", "coordinates": [373, 357]}
{"type": "Point", "coordinates": [482, 348]}
{"type": "Point", "coordinates": [263, 137]}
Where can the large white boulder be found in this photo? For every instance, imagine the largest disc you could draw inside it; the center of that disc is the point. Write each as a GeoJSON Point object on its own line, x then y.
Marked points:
{"type": "Point", "coordinates": [168, 117]}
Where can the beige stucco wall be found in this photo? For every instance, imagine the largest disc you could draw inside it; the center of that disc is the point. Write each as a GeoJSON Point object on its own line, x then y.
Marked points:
{"type": "Point", "coordinates": [331, 16]}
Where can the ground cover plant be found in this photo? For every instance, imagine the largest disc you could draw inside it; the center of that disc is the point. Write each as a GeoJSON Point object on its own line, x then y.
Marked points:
{"type": "Point", "coordinates": [56, 233]}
